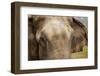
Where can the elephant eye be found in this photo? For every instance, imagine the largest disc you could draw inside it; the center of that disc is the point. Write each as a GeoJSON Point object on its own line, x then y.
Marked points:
{"type": "Point", "coordinates": [42, 41]}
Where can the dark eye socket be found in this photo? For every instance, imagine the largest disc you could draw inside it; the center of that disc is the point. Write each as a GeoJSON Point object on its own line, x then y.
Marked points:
{"type": "Point", "coordinates": [43, 40]}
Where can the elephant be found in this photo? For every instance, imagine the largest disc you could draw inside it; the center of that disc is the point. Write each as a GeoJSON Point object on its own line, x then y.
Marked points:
{"type": "Point", "coordinates": [55, 37]}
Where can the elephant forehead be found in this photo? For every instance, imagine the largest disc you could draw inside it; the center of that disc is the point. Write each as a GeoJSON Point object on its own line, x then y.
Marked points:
{"type": "Point", "coordinates": [56, 26]}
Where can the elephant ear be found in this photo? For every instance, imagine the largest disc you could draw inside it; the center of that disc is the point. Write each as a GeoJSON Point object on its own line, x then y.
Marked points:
{"type": "Point", "coordinates": [35, 24]}
{"type": "Point", "coordinates": [32, 42]}
{"type": "Point", "coordinates": [79, 37]}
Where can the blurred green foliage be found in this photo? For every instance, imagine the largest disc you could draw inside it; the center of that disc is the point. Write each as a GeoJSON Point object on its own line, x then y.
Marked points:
{"type": "Point", "coordinates": [82, 54]}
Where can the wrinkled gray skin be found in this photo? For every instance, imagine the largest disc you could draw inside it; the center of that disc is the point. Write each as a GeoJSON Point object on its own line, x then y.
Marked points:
{"type": "Point", "coordinates": [52, 37]}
